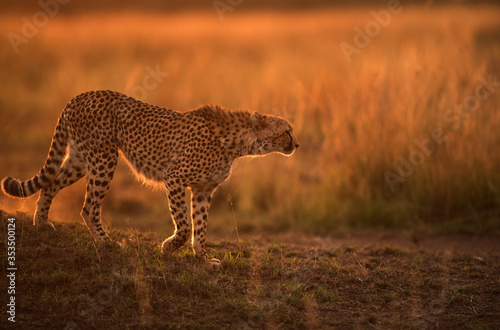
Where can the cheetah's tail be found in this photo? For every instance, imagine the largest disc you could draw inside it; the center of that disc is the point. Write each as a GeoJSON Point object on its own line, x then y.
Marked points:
{"type": "Point", "coordinates": [16, 188]}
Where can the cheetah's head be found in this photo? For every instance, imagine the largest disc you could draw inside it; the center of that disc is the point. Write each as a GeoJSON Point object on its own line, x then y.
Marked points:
{"type": "Point", "coordinates": [274, 134]}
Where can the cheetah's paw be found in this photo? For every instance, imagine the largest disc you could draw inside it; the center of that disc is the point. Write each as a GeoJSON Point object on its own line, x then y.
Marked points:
{"type": "Point", "coordinates": [111, 245]}
{"type": "Point", "coordinates": [214, 264]}
{"type": "Point", "coordinates": [44, 225]}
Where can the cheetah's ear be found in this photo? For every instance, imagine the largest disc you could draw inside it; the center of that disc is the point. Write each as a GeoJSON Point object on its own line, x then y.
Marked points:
{"type": "Point", "coordinates": [258, 121]}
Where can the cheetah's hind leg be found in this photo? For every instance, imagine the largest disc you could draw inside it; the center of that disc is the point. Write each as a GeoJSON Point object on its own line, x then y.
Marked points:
{"type": "Point", "coordinates": [99, 174]}
{"type": "Point", "coordinates": [71, 171]}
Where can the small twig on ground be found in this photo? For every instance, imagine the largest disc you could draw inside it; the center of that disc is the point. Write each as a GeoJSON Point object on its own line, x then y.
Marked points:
{"type": "Point", "coordinates": [234, 217]}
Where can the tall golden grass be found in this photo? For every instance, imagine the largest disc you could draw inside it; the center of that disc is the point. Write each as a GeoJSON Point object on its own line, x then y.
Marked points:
{"type": "Point", "coordinates": [356, 121]}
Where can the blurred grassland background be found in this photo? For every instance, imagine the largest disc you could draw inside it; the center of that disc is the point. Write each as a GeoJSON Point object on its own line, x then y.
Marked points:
{"type": "Point", "coordinates": [354, 119]}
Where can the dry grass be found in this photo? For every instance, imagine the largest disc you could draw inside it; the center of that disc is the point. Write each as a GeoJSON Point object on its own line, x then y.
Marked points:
{"type": "Point", "coordinates": [353, 119]}
{"type": "Point", "coordinates": [64, 281]}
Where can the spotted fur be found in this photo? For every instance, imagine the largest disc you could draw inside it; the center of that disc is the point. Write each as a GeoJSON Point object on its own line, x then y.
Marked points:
{"type": "Point", "coordinates": [194, 149]}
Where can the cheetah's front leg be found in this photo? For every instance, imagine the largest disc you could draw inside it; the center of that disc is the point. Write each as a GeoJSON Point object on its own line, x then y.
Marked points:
{"type": "Point", "coordinates": [201, 198]}
{"type": "Point", "coordinates": [178, 210]}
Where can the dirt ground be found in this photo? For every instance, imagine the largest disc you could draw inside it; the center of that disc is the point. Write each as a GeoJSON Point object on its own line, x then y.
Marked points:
{"type": "Point", "coordinates": [446, 244]}
{"type": "Point", "coordinates": [289, 281]}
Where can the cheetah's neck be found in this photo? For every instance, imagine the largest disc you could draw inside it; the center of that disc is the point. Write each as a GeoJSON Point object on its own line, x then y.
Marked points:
{"type": "Point", "coordinates": [245, 139]}
{"type": "Point", "coordinates": [235, 131]}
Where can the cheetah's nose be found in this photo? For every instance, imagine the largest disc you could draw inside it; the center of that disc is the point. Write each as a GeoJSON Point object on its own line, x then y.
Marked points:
{"type": "Point", "coordinates": [296, 145]}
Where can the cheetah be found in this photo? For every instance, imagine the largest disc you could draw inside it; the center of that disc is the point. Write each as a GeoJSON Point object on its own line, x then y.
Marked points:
{"type": "Point", "coordinates": [180, 150]}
